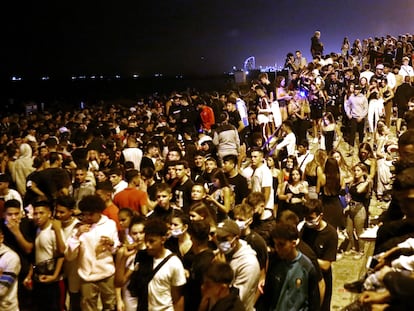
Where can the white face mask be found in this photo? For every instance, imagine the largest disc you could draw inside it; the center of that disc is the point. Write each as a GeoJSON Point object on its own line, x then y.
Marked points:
{"type": "Point", "coordinates": [225, 247]}
{"type": "Point", "coordinates": [176, 233]}
{"type": "Point", "coordinates": [243, 224]}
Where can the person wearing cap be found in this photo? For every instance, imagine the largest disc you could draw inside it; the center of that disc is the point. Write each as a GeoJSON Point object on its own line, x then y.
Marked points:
{"type": "Point", "coordinates": [379, 73]}
{"type": "Point", "coordinates": [406, 69]}
{"type": "Point", "coordinates": [356, 109]}
{"type": "Point", "coordinates": [242, 259]}
{"type": "Point", "coordinates": [291, 279]}
{"type": "Point", "coordinates": [131, 196]}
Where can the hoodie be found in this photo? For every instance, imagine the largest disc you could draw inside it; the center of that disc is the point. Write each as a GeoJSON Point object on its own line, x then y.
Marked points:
{"type": "Point", "coordinates": [93, 264]}
{"type": "Point", "coordinates": [246, 274]}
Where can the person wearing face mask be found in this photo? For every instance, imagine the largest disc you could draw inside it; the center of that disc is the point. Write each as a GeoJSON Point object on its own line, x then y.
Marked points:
{"type": "Point", "coordinates": [242, 259]}
{"type": "Point", "coordinates": [243, 216]}
{"type": "Point", "coordinates": [180, 240]}
{"type": "Point", "coordinates": [323, 239]}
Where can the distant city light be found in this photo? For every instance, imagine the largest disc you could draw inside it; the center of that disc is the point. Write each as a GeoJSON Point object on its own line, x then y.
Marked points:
{"type": "Point", "coordinates": [158, 75]}
{"type": "Point", "coordinates": [16, 78]}
{"type": "Point", "coordinates": [135, 76]}
{"type": "Point", "coordinates": [45, 78]}
{"type": "Point", "coordinates": [117, 77]}
{"type": "Point", "coordinates": [93, 77]}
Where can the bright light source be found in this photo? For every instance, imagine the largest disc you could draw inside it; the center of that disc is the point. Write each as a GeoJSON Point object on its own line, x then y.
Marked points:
{"type": "Point", "coordinates": [15, 78]}
{"type": "Point", "coordinates": [135, 76]}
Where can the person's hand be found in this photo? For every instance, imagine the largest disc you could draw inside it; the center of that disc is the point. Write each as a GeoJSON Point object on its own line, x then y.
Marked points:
{"type": "Point", "coordinates": [373, 297]}
{"type": "Point", "coordinates": [384, 270]}
{"type": "Point", "coordinates": [106, 241]}
{"type": "Point", "coordinates": [13, 225]}
{"type": "Point", "coordinates": [125, 251]}
{"type": "Point", "coordinates": [120, 306]}
{"type": "Point", "coordinates": [260, 286]}
{"type": "Point", "coordinates": [28, 283]}
{"type": "Point", "coordinates": [82, 229]}
{"type": "Point", "coordinates": [56, 224]}
{"type": "Point", "coordinates": [46, 278]}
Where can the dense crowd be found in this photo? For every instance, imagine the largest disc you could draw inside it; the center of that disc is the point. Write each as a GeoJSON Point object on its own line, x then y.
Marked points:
{"type": "Point", "coordinates": [217, 201]}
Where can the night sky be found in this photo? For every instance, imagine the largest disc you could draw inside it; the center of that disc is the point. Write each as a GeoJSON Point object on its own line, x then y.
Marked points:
{"type": "Point", "coordinates": [183, 36]}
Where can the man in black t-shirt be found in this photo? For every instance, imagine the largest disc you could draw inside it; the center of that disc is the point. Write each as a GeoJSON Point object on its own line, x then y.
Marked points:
{"type": "Point", "coordinates": [234, 116]}
{"type": "Point", "coordinates": [237, 182]}
{"type": "Point", "coordinates": [323, 239]}
{"type": "Point", "coordinates": [19, 234]}
{"type": "Point", "coordinates": [182, 189]}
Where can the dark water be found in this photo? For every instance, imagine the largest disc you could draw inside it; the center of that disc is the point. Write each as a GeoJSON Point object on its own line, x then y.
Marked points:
{"type": "Point", "coordinates": [66, 94]}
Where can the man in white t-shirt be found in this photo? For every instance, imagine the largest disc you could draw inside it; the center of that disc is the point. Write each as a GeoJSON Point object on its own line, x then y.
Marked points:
{"type": "Point", "coordinates": [262, 180]}
{"type": "Point", "coordinates": [165, 290]}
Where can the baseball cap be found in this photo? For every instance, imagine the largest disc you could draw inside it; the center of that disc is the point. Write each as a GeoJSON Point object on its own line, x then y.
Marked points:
{"type": "Point", "coordinates": [227, 227]}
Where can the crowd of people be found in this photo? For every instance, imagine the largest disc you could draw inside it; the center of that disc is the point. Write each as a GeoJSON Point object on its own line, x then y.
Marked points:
{"type": "Point", "coordinates": [217, 201]}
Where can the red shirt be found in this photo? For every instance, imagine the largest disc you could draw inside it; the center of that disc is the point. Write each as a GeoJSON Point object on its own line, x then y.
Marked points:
{"type": "Point", "coordinates": [207, 117]}
{"type": "Point", "coordinates": [133, 198]}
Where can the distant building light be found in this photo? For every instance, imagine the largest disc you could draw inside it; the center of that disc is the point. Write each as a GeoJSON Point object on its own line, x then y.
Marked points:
{"type": "Point", "coordinates": [158, 75]}
{"type": "Point", "coordinates": [82, 77]}
{"type": "Point", "coordinates": [73, 77]}
{"type": "Point", "coordinates": [45, 78]}
{"type": "Point", "coordinates": [101, 77]}
{"type": "Point", "coordinates": [135, 76]}
{"type": "Point", "coordinates": [16, 78]}
{"type": "Point", "coordinates": [93, 77]}
{"type": "Point", "coordinates": [117, 77]}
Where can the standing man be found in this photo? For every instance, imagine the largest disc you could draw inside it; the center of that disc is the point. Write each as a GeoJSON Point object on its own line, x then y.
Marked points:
{"type": "Point", "coordinates": [234, 115]}
{"type": "Point", "coordinates": [182, 189]}
{"type": "Point", "coordinates": [316, 45]}
{"type": "Point", "coordinates": [237, 181]}
{"type": "Point", "coordinates": [402, 95]}
{"type": "Point", "coordinates": [132, 152]}
{"type": "Point", "coordinates": [323, 239]}
{"type": "Point", "coordinates": [82, 186]}
{"type": "Point", "coordinates": [242, 259]}
{"type": "Point", "coordinates": [131, 196]}
{"type": "Point", "coordinates": [356, 108]}
{"type": "Point", "coordinates": [300, 62]}
{"type": "Point", "coordinates": [262, 181]}
{"type": "Point", "coordinates": [164, 291]}
{"type": "Point", "coordinates": [93, 247]}
{"type": "Point", "coordinates": [206, 115]}
{"type": "Point", "coordinates": [291, 279]}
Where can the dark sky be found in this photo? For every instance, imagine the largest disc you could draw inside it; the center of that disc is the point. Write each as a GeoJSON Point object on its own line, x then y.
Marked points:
{"type": "Point", "coordinates": [183, 36]}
